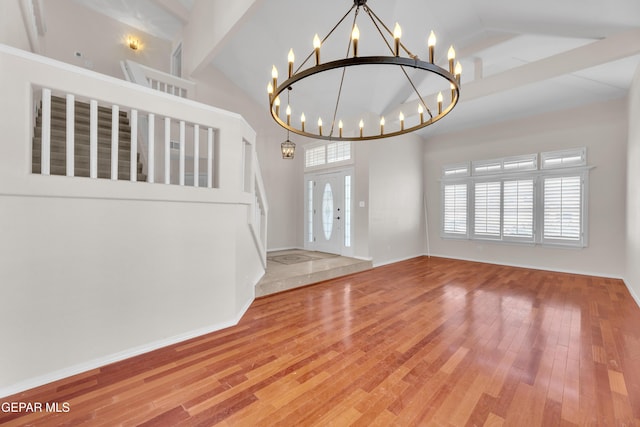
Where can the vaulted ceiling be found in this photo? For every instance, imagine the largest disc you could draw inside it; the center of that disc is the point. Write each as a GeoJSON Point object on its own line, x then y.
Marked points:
{"type": "Point", "coordinates": [519, 58]}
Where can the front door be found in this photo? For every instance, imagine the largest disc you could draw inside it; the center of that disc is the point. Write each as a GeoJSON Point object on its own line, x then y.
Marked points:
{"type": "Point", "coordinates": [325, 212]}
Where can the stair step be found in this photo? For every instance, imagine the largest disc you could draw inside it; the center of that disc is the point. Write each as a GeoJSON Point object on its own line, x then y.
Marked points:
{"type": "Point", "coordinates": [83, 162]}
{"type": "Point", "coordinates": [59, 121]}
{"type": "Point", "coordinates": [84, 172]}
{"type": "Point", "coordinates": [61, 158]}
{"type": "Point", "coordinates": [83, 150]}
{"type": "Point", "coordinates": [58, 156]}
{"type": "Point", "coordinates": [81, 140]}
{"type": "Point", "coordinates": [79, 132]}
{"type": "Point", "coordinates": [58, 102]}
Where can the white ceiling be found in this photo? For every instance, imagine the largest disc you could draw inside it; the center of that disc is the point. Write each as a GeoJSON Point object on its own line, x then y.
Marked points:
{"type": "Point", "coordinates": [519, 58]}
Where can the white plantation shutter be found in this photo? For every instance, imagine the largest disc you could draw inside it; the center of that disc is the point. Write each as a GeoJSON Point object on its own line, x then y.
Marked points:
{"type": "Point", "coordinates": [455, 209]}
{"type": "Point", "coordinates": [315, 156]}
{"type": "Point", "coordinates": [338, 151]}
{"type": "Point", "coordinates": [517, 214]}
{"type": "Point", "coordinates": [563, 208]}
{"type": "Point", "coordinates": [531, 198]}
{"type": "Point", "coordinates": [487, 209]}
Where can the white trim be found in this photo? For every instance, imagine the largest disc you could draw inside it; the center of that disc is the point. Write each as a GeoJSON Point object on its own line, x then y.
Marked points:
{"type": "Point", "coordinates": [393, 261]}
{"type": "Point", "coordinates": [115, 81]}
{"type": "Point", "coordinates": [122, 355]}
{"type": "Point", "coordinates": [635, 297]}
{"type": "Point", "coordinates": [532, 267]}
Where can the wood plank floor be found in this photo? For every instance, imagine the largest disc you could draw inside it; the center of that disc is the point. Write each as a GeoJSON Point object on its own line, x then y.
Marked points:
{"type": "Point", "coordinates": [421, 342]}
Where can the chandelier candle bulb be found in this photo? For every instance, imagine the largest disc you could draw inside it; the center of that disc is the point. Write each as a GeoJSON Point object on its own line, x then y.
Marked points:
{"type": "Point", "coordinates": [355, 36]}
{"type": "Point", "coordinates": [431, 42]}
{"type": "Point", "coordinates": [316, 47]}
{"type": "Point", "coordinates": [274, 76]}
{"type": "Point", "coordinates": [458, 71]}
{"type": "Point", "coordinates": [291, 57]}
{"type": "Point", "coordinates": [397, 33]}
{"type": "Point", "coordinates": [270, 90]}
{"type": "Point", "coordinates": [393, 52]}
{"type": "Point", "coordinates": [451, 55]}
{"type": "Point", "coordinates": [276, 102]}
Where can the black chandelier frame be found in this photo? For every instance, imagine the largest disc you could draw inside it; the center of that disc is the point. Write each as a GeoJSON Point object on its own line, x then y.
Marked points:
{"type": "Point", "coordinates": [404, 62]}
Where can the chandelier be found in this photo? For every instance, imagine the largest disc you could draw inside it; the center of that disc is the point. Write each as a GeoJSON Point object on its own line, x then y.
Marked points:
{"type": "Point", "coordinates": [399, 56]}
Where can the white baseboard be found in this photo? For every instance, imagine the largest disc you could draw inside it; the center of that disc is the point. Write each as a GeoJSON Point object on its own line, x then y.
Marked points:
{"type": "Point", "coordinates": [393, 261]}
{"type": "Point", "coordinates": [289, 248]}
{"type": "Point", "coordinates": [117, 357]}
{"type": "Point", "coordinates": [531, 267]}
{"type": "Point", "coordinates": [635, 297]}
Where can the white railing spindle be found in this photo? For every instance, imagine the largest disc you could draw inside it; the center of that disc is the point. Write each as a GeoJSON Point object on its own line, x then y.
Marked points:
{"type": "Point", "coordinates": [150, 156]}
{"type": "Point", "coordinates": [133, 155]}
{"type": "Point", "coordinates": [167, 150]}
{"type": "Point", "coordinates": [93, 138]}
{"type": "Point", "coordinates": [196, 155]}
{"type": "Point", "coordinates": [70, 135]}
{"type": "Point", "coordinates": [115, 122]}
{"type": "Point", "coordinates": [209, 158]}
{"type": "Point", "coordinates": [182, 151]}
{"type": "Point", "coordinates": [45, 138]}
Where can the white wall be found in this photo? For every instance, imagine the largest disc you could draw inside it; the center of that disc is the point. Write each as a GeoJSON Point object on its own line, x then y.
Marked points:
{"type": "Point", "coordinates": [88, 281]}
{"type": "Point", "coordinates": [72, 28]}
{"type": "Point", "coordinates": [94, 270]}
{"type": "Point", "coordinates": [282, 178]}
{"type": "Point", "coordinates": [210, 22]}
{"type": "Point", "coordinates": [12, 28]}
{"type": "Point", "coordinates": [396, 224]}
{"type": "Point", "coordinates": [602, 128]}
{"type": "Point", "coordinates": [632, 274]}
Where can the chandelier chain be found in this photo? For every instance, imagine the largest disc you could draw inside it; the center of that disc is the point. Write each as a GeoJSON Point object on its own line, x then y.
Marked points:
{"type": "Point", "coordinates": [344, 70]}
{"type": "Point", "coordinates": [405, 61]}
{"type": "Point", "coordinates": [372, 14]}
{"type": "Point", "coordinates": [326, 37]}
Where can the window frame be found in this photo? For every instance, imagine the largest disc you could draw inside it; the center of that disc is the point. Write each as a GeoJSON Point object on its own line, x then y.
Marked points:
{"type": "Point", "coordinates": [452, 234]}
{"type": "Point", "coordinates": [325, 147]}
{"type": "Point", "coordinates": [531, 169]}
{"type": "Point", "coordinates": [583, 173]}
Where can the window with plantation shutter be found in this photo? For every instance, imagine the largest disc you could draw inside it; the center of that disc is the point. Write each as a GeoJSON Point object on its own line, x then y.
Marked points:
{"type": "Point", "coordinates": [455, 210]}
{"type": "Point", "coordinates": [562, 205]}
{"type": "Point", "coordinates": [531, 198]}
{"type": "Point", "coordinates": [487, 209]}
{"type": "Point", "coordinates": [517, 216]}
{"type": "Point", "coordinates": [315, 156]}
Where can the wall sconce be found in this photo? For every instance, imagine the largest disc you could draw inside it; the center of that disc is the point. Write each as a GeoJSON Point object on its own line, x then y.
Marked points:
{"type": "Point", "coordinates": [133, 43]}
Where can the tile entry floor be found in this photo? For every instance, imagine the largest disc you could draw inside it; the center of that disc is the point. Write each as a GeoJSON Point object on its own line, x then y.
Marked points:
{"type": "Point", "coordinates": [293, 268]}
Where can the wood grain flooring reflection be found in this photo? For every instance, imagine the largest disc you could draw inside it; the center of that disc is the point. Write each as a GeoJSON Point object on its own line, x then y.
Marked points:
{"type": "Point", "coordinates": [421, 342]}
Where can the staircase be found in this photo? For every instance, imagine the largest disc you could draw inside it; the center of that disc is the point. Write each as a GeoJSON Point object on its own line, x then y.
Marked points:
{"type": "Point", "coordinates": [81, 148]}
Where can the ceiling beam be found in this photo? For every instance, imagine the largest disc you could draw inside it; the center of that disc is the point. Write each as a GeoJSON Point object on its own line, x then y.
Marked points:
{"type": "Point", "coordinates": [613, 48]}
{"type": "Point", "coordinates": [175, 8]}
{"type": "Point", "coordinates": [479, 45]}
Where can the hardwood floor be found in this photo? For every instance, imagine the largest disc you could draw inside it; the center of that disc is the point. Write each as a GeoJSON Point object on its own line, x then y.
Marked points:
{"type": "Point", "coordinates": [421, 342]}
